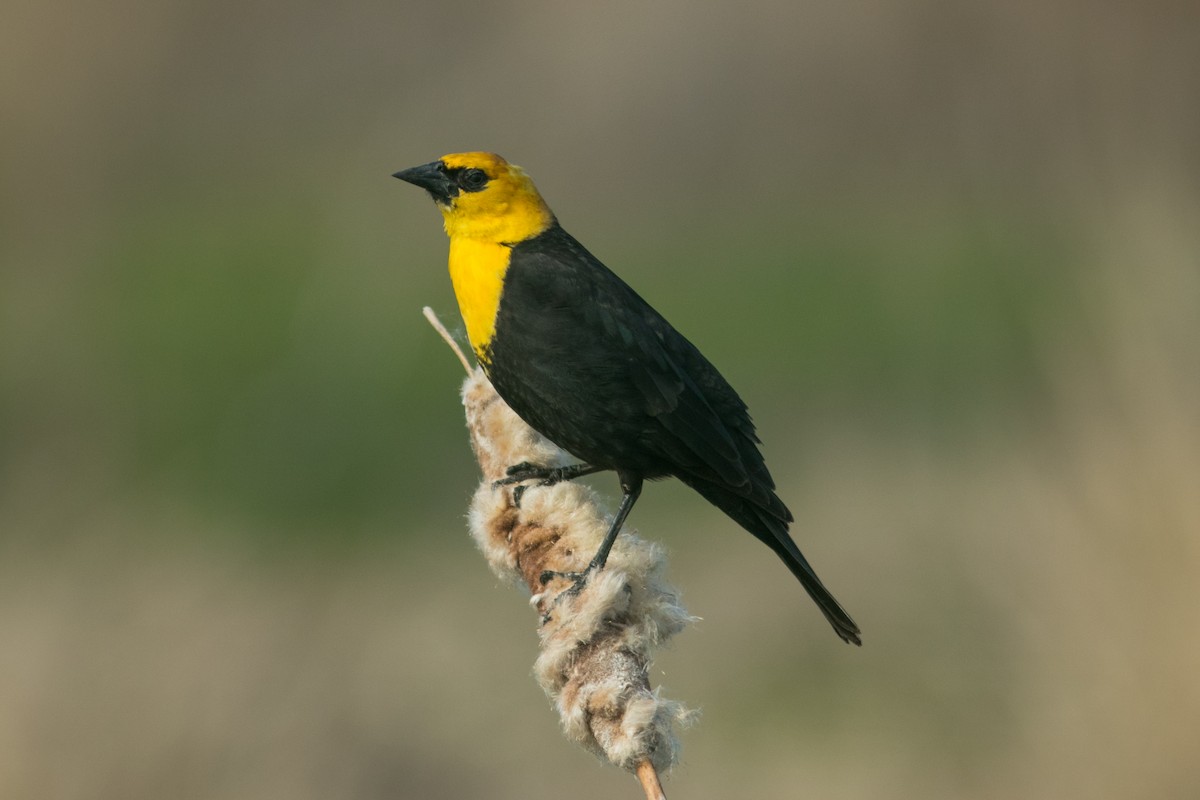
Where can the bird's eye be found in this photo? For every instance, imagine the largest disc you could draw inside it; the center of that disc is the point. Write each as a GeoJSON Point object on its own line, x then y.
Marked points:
{"type": "Point", "coordinates": [472, 180]}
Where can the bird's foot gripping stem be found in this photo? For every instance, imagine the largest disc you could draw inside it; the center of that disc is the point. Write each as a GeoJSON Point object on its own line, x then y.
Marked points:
{"type": "Point", "coordinates": [578, 582]}
{"type": "Point", "coordinates": [545, 476]}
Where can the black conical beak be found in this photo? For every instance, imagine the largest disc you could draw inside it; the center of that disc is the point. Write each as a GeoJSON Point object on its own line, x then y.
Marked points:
{"type": "Point", "coordinates": [432, 178]}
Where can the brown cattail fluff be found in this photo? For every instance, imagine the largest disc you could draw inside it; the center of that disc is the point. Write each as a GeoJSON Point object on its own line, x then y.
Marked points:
{"type": "Point", "coordinates": [596, 645]}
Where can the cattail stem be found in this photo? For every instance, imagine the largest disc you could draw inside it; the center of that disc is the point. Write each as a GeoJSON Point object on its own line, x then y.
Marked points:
{"type": "Point", "coordinates": [596, 644]}
{"type": "Point", "coordinates": [432, 317]}
{"type": "Point", "coordinates": [648, 776]}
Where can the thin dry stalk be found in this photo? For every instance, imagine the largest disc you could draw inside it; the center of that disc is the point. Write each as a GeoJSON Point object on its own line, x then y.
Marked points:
{"type": "Point", "coordinates": [648, 776]}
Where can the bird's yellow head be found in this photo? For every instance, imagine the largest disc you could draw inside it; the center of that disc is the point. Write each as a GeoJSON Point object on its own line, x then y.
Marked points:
{"type": "Point", "coordinates": [483, 197]}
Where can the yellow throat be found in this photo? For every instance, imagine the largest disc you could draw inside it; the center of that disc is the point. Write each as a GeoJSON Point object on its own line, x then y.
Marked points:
{"type": "Point", "coordinates": [483, 226]}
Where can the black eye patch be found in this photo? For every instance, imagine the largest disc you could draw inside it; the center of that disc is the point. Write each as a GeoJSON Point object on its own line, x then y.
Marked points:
{"type": "Point", "coordinates": [469, 179]}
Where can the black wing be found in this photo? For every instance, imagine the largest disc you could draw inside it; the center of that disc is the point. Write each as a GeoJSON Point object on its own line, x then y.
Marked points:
{"type": "Point", "coordinates": [591, 365]}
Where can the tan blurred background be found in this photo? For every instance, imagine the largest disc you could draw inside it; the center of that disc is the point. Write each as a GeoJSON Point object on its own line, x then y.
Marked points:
{"type": "Point", "coordinates": [948, 252]}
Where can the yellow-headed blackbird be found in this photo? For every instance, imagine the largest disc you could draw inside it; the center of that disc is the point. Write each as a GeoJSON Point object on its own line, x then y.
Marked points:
{"type": "Point", "coordinates": [591, 366]}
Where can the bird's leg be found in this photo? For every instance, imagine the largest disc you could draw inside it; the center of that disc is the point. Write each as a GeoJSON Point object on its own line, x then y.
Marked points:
{"type": "Point", "coordinates": [545, 476]}
{"type": "Point", "coordinates": [631, 485]}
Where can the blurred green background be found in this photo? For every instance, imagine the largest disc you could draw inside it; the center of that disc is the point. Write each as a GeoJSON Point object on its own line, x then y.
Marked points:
{"type": "Point", "coordinates": [949, 253]}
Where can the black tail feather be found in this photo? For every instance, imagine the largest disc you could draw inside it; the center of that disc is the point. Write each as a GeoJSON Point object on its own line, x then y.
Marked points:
{"type": "Point", "coordinates": [773, 532]}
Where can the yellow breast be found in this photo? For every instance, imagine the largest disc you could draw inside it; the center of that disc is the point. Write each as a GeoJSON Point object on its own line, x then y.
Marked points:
{"type": "Point", "coordinates": [477, 270]}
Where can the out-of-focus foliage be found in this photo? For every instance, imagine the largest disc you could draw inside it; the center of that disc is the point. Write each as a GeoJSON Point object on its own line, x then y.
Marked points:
{"type": "Point", "coordinates": [947, 252]}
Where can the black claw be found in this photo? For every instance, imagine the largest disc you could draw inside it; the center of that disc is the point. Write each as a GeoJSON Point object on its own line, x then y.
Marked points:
{"type": "Point", "coordinates": [521, 472]}
{"type": "Point", "coordinates": [578, 581]}
{"type": "Point", "coordinates": [545, 476]}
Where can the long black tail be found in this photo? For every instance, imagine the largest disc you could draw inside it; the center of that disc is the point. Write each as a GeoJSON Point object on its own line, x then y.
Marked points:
{"type": "Point", "coordinates": [772, 531]}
